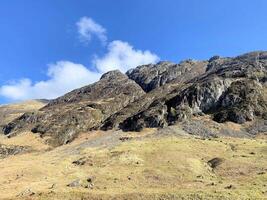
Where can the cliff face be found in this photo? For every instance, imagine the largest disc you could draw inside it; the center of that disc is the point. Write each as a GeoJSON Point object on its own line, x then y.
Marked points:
{"type": "Point", "coordinates": [231, 89]}
{"type": "Point", "coordinates": [151, 76]}
{"type": "Point", "coordinates": [226, 89]}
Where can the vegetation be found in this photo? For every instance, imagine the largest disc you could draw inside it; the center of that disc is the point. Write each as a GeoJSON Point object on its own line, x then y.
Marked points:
{"type": "Point", "coordinates": [145, 167]}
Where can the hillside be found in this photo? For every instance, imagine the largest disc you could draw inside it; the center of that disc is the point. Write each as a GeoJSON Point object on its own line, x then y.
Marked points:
{"type": "Point", "coordinates": [12, 111]}
{"type": "Point", "coordinates": [149, 165]}
{"type": "Point", "coordinates": [152, 96]}
{"type": "Point", "coordinates": [192, 130]}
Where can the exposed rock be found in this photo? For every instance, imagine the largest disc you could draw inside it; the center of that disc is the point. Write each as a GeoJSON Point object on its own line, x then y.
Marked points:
{"type": "Point", "coordinates": [151, 76]}
{"type": "Point", "coordinates": [26, 193]}
{"type": "Point", "coordinates": [6, 151]}
{"type": "Point", "coordinates": [138, 106]}
{"type": "Point", "coordinates": [227, 89]}
{"type": "Point", "coordinates": [242, 101]}
{"type": "Point", "coordinates": [196, 127]}
{"type": "Point", "coordinates": [232, 89]}
{"type": "Point", "coordinates": [162, 81]}
{"type": "Point", "coordinates": [154, 116]}
{"type": "Point", "coordinates": [80, 161]}
{"type": "Point", "coordinates": [215, 162]}
{"type": "Point", "coordinates": [80, 110]}
{"type": "Point", "coordinates": [258, 127]}
{"type": "Point", "coordinates": [75, 183]}
{"type": "Point", "coordinates": [12, 111]}
{"type": "Point", "coordinates": [230, 187]}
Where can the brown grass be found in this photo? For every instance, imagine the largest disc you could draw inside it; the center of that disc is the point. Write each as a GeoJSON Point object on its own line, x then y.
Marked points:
{"type": "Point", "coordinates": [12, 111]}
{"type": "Point", "coordinates": [151, 168]}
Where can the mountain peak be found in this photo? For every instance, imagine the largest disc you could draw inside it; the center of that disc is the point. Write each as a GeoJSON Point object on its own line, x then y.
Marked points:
{"type": "Point", "coordinates": [113, 75]}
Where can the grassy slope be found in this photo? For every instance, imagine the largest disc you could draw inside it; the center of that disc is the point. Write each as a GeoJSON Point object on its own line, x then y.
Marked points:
{"type": "Point", "coordinates": [12, 111]}
{"type": "Point", "coordinates": [149, 168]}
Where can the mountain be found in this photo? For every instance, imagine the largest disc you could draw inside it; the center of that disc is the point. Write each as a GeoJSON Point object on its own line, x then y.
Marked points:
{"type": "Point", "coordinates": [157, 96]}
{"type": "Point", "coordinates": [80, 110]}
{"type": "Point", "coordinates": [193, 130]}
{"type": "Point", "coordinates": [231, 89]}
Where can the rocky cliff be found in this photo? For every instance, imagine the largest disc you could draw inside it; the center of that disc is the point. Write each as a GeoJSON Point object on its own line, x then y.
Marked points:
{"type": "Point", "coordinates": [159, 95]}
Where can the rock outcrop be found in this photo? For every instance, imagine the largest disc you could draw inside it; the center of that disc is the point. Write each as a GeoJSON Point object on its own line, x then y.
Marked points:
{"type": "Point", "coordinates": [159, 95]}
{"type": "Point", "coordinates": [10, 112]}
{"type": "Point", "coordinates": [231, 89]}
{"type": "Point", "coordinates": [151, 76]}
{"type": "Point", "coordinates": [80, 110]}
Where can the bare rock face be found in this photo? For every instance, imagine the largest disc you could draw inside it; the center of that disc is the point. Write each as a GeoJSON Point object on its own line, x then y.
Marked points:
{"type": "Point", "coordinates": [242, 101]}
{"type": "Point", "coordinates": [151, 76]}
{"type": "Point", "coordinates": [231, 89]}
{"type": "Point", "coordinates": [227, 89]}
{"type": "Point", "coordinates": [80, 110]}
{"type": "Point", "coordinates": [161, 81]}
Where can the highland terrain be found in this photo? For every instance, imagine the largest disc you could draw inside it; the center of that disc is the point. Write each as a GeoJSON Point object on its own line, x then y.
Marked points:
{"type": "Point", "coordinates": [192, 130]}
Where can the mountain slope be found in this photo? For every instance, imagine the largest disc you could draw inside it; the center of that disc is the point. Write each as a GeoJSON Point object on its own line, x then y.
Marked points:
{"type": "Point", "coordinates": [226, 89]}
{"type": "Point", "coordinates": [231, 89]}
{"type": "Point", "coordinates": [10, 112]}
{"type": "Point", "coordinates": [80, 110]}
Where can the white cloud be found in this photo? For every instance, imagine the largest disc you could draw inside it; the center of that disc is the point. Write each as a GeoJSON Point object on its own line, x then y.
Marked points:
{"type": "Point", "coordinates": [87, 27]}
{"type": "Point", "coordinates": [121, 55]}
{"type": "Point", "coordinates": [64, 76]}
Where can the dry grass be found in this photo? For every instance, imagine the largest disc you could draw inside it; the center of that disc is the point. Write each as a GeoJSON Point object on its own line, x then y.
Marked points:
{"type": "Point", "coordinates": [12, 111]}
{"type": "Point", "coordinates": [151, 168]}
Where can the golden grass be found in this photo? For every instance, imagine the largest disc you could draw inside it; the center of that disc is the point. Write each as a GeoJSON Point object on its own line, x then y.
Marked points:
{"type": "Point", "coordinates": [12, 111]}
{"type": "Point", "coordinates": [151, 168]}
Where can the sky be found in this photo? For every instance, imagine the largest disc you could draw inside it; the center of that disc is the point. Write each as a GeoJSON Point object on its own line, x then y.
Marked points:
{"type": "Point", "coordinates": [50, 47]}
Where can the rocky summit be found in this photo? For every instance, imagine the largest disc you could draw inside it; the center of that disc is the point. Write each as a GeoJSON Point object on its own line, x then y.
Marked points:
{"type": "Point", "coordinates": [157, 96]}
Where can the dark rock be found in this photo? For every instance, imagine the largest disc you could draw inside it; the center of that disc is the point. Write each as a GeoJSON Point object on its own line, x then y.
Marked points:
{"type": "Point", "coordinates": [90, 179]}
{"type": "Point", "coordinates": [215, 162]}
{"type": "Point", "coordinates": [79, 162]}
{"type": "Point", "coordinates": [6, 151]}
{"type": "Point", "coordinates": [230, 187]}
{"type": "Point", "coordinates": [227, 89]}
{"type": "Point", "coordinates": [151, 76]}
{"type": "Point", "coordinates": [231, 90]}
{"type": "Point", "coordinates": [125, 138]}
{"type": "Point", "coordinates": [154, 116]}
{"type": "Point", "coordinates": [80, 110]}
{"type": "Point", "coordinates": [241, 102]}
{"type": "Point", "coordinates": [213, 58]}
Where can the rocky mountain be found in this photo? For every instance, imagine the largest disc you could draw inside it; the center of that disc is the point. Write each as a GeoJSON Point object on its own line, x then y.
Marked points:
{"type": "Point", "coordinates": [151, 76]}
{"type": "Point", "coordinates": [80, 110]}
{"type": "Point", "coordinates": [159, 95]}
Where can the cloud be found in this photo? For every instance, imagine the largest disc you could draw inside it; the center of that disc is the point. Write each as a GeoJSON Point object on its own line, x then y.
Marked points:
{"type": "Point", "coordinates": [63, 77]}
{"type": "Point", "coordinates": [87, 27]}
{"type": "Point", "coordinates": [121, 55]}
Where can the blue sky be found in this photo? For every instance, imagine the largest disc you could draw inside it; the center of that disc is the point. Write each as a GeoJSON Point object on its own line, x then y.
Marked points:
{"type": "Point", "coordinates": [49, 47]}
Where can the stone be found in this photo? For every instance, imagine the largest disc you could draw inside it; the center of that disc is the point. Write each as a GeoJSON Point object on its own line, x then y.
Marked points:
{"type": "Point", "coordinates": [75, 183]}
{"type": "Point", "coordinates": [215, 162]}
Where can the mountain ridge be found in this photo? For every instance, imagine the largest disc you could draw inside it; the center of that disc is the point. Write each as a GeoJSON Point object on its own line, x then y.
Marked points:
{"type": "Point", "coordinates": [156, 96]}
